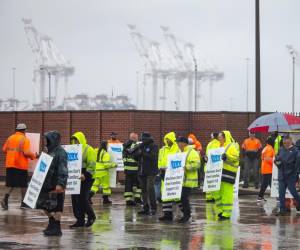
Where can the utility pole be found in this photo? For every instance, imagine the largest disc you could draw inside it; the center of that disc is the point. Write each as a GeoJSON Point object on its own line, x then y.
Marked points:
{"type": "Point", "coordinates": [293, 98]}
{"type": "Point", "coordinates": [196, 87]}
{"type": "Point", "coordinates": [14, 88]}
{"type": "Point", "coordinates": [257, 59]}
{"type": "Point", "coordinates": [247, 84]}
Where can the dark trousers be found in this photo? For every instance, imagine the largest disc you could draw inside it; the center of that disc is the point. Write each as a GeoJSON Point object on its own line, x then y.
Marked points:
{"type": "Point", "coordinates": [266, 180]}
{"type": "Point", "coordinates": [132, 186]}
{"type": "Point", "coordinates": [81, 203]}
{"type": "Point", "coordinates": [251, 168]}
{"type": "Point", "coordinates": [148, 191]}
{"type": "Point", "coordinates": [290, 183]}
{"type": "Point", "coordinates": [185, 201]}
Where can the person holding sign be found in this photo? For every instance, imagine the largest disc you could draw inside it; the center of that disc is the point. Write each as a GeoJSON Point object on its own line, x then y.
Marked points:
{"type": "Point", "coordinates": [52, 196]}
{"type": "Point", "coordinates": [170, 147]}
{"type": "Point", "coordinates": [101, 176]}
{"type": "Point", "coordinates": [231, 157]}
{"type": "Point", "coordinates": [214, 143]}
{"type": "Point", "coordinates": [288, 163]}
{"type": "Point", "coordinates": [192, 164]}
{"type": "Point", "coordinates": [80, 202]}
{"type": "Point", "coordinates": [17, 150]}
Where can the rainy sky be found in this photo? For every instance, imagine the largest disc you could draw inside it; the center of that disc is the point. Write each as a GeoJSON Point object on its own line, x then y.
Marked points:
{"type": "Point", "coordinates": [93, 36]}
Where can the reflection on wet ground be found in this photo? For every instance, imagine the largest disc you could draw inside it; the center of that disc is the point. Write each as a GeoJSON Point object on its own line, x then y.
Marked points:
{"type": "Point", "coordinates": [252, 226]}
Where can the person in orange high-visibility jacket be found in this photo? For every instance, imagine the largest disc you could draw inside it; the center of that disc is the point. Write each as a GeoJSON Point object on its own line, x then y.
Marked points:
{"type": "Point", "coordinates": [17, 150]}
{"type": "Point", "coordinates": [267, 158]}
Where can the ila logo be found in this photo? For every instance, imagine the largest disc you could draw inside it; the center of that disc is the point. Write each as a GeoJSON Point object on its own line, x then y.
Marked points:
{"type": "Point", "coordinates": [215, 158]}
{"type": "Point", "coordinates": [72, 156]}
{"type": "Point", "coordinates": [42, 167]}
{"type": "Point", "coordinates": [175, 164]}
{"type": "Point", "coordinates": [114, 149]}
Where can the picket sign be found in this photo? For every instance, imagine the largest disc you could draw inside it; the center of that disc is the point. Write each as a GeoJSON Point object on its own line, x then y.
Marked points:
{"type": "Point", "coordinates": [74, 153]}
{"type": "Point", "coordinates": [275, 184]}
{"type": "Point", "coordinates": [34, 139]}
{"type": "Point", "coordinates": [174, 176]}
{"type": "Point", "coordinates": [213, 174]}
{"type": "Point", "coordinates": [115, 150]}
{"type": "Point", "coordinates": [37, 180]}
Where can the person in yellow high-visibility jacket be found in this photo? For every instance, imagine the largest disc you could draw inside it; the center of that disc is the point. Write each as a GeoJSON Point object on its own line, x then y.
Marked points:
{"type": "Point", "coordinates": [190, 181]}
{"type": "Point", "coordinates": [101, 176]}
{"type": "Point", "coordinates": [170, 147]}
{"type": "Point", "coordinates": [214, 143]}
{"type": "Point", "coordinates": [231, 156]}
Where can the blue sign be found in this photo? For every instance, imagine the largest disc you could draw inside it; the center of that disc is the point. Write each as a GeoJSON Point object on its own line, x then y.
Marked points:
{"type": "Point", "coordinates": [215, 158]}
{"type": "Point", "coordinates": [42, 167]}
{"type": "Point", "coordinates": [116, 149]}
{"type": "Point", "coordinates": [175, 164]}
{"type": "Point", "coordinates": [72, 156]}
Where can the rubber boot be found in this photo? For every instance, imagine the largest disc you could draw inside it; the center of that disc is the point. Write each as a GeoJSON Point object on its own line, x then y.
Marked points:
{"type": "Point", "coordinates": [4, 202]}
{"type": "Point", "coordinates": [50, 224]}
{"type": "Point", "coordinates": [106, 200]}
{"type": "Point", "coordinates": [54, 230]}
{"type": "Point", "coordinates": [168, 216]}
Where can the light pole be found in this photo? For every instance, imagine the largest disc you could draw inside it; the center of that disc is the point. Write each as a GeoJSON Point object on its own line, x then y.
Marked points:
{"type": "Point", "coordinates": [247, 82]}
{"type": "Point", "coordinates": [293, 53]}
{"type": "Point", "coordinates": [257, 60]}
{"type": "Point", "coordinates": [14, 87]}
{"type": "Point", "coordinates": [196, 88]}
{"type": "Point", "coordinates": [49, 77]}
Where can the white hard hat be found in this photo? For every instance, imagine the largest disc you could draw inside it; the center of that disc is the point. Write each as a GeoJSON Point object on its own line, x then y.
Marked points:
{"type": "Point", "coordinates": [21, 126]}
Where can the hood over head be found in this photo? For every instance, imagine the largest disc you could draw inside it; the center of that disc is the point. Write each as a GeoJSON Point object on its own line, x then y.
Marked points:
{"type": "Point", "coordinates": [228, 137]}
{"type": "Point", "coordinates": [53, 139]}
{"type": "Point", "coordinates": [80, 137]}
{"type": "Point", "coordinates": [171, 136]}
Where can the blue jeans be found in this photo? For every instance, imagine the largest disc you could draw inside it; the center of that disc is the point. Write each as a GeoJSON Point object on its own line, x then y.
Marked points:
{"type": "Point", "coordinates": [290, 183]}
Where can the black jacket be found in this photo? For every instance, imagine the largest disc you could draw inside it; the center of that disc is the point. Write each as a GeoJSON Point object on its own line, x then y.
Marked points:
{"type": "Point", "coordinates": [288, 160]}
{"type": "Point", "coordinates": [58, 171]}
{"type": "Point", "coordinates": [148, 158]}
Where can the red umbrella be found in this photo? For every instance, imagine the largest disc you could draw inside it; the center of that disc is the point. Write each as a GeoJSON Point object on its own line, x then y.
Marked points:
{"type": "Point", "coordinates": [275, 122]}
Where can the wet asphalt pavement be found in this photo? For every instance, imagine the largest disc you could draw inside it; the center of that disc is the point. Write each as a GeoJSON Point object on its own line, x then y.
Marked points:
{"type": "Point", "coordinates": [252, 226]}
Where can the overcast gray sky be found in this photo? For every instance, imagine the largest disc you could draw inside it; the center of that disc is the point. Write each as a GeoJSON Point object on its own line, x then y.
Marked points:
{"type": "Point", "coordinates": [92, 34]}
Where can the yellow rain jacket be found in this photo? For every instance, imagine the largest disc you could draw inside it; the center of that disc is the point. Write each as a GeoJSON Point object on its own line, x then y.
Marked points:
{"type": "Point", "coordinates": [166, 150]}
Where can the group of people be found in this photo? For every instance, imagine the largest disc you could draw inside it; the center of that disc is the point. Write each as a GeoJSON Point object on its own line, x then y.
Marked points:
{"type": "Point", "coordinates": [145, 166]}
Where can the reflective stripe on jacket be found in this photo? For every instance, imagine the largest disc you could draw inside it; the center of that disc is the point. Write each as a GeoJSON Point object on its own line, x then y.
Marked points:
{"type": "Point", "coordinates": [17, 149]}
{"type": "Point", "coordinates": [192, 164]}
{"type": "Point", "coordinates": [103, 164]}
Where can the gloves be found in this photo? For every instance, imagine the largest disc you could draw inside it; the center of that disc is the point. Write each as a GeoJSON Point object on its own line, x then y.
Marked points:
{"type": "Point", "coordinates": [224, 157]}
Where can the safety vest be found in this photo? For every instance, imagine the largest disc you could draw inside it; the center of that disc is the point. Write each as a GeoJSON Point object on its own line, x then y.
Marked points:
{"type": "Point", "coordinates": [103, 164]}
{"type": "Point", "coordinates": [87, 163]}
{"type": "Point", "coordinates": [17, 149]}
{"type": "Point", "coordinates": [277, 144]}
{"type": "Point", "coordinates": [230, 166]}
{"type": "Point", "coordinates": [192, 164]}
{"type": "Point", "coordinates": [130, 164]}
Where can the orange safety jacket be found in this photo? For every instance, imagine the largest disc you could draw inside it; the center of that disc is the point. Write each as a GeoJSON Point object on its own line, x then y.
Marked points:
{"type": "Point", "coordinates": [17, 150]}
{"type": "Point", "coordinates": [267, 158]}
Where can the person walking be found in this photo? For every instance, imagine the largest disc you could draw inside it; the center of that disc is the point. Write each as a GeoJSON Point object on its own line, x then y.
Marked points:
{"type": "Point", "coordinates": [18, 154]}
{"type": "Point", "coordinates": [190, 181]}
{"type": "Point", "coordinates": [80, 202]}
{"type": "Point", "coordinates": [147, 160]}
{"type": "Point", "coordinates": [132, 192]}
{"type": "Point", "coordinates": [52, 196]}
{"type": "Point", "coordinates": [213, 144]}
{"type": "Point", "coordinates": [267, 158]}
{"type": "Point", "coordinates": [101, 176]}
{"type": "Point", "coordinates": [224, 197]}
{"type": "Point", "coordinates": [251, 151]}
{"type": "Point", "coordinates": [170, 147]}
{"type": "Point", "coordinates": [288, 163]}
